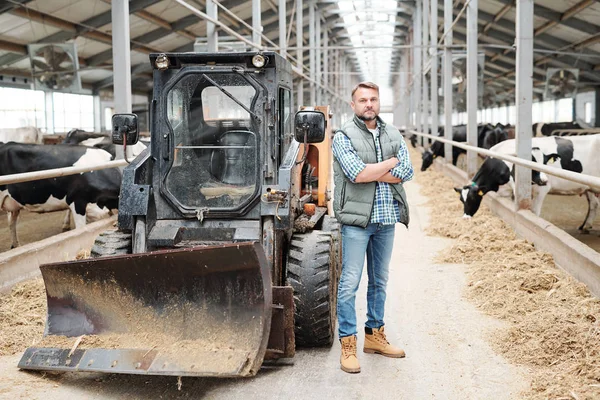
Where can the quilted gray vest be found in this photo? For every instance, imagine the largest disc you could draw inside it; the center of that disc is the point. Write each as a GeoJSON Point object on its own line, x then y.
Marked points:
{"type": "Point", "coordinates": [353, 202]}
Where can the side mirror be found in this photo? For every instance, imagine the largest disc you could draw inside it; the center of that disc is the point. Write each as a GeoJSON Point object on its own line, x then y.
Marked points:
{"type": "Point", "coordinates": [125, 129]}
{"type": "Point", "coordinates": [309, 124]}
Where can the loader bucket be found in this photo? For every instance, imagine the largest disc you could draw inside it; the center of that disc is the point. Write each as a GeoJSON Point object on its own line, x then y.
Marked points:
{"type": "Point", "coordinates": [203, 311]}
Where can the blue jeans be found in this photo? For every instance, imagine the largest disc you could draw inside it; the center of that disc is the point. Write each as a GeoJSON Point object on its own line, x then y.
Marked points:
{"type": "Point", "coordinates": [376, 240]}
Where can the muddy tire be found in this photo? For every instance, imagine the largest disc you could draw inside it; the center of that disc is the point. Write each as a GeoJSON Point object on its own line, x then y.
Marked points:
{"type": "Point", "coordinates": [312, 274]}
{"type": "Point", "coordinates": [111, 243]}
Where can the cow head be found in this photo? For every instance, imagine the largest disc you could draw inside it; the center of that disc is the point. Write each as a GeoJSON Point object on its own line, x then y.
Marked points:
{"type": "Point", "coordinates": [470, 196]}
{"type": "Point", "coordinates": [492, 174]}
{"type": "Point", "coordinates": [427, 158]}
{"type": "Point", "coordinates": [537, 177]}
{"type": "Point", "coordinates": [413, 141]}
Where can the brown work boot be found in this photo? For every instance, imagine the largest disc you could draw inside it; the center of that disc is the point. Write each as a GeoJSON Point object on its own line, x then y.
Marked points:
{"type": "Point", "coordinates": [348, 360]}
{"type": "Point", "coordinates": [376, 343]}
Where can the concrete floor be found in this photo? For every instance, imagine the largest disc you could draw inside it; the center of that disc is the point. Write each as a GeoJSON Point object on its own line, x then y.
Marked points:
{"type": "Point", "coordinates": [443, 335]}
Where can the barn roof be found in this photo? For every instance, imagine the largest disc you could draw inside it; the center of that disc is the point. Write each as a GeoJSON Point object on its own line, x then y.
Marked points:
{"type": "Point", "coordinates": [370, 32]}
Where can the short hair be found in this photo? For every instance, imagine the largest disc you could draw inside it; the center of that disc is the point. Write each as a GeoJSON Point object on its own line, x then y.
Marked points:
{"type": "Point", "coordinates": [368, 85]}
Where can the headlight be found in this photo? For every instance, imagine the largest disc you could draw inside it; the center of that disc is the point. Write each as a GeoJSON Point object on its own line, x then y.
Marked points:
{"type": "Point", "coordinates": [162, 62]}
{"type": "Point", "coordinates": [259, 61]}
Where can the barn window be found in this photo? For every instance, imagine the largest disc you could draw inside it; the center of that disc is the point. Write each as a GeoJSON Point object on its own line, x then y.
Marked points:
{"type": "Point", "coordinates": [22, 107]}
{"type": "Point", "coordinates": [587, 110]}
{"type": "Point", "coordinates": [548, 112]}
{"type": "Point", "coordinates": [564, 110]}
{"type": "Point", "coordinates": [73, 111]}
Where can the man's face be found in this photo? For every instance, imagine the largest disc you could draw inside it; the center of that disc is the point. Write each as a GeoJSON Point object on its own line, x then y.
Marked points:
{"type": "Point", "coordinates": [365, 103]}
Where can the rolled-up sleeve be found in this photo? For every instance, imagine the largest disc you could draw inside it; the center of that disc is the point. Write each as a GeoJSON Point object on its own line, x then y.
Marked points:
{"type": "Point", "coordinates": [347, 156]}
{"type": "Point", "coordinates": [404, 169]}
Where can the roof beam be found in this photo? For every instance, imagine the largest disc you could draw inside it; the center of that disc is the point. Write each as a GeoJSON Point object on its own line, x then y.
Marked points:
{"type": "Point", "coordinates": [13, 47]}
{"type": "Point", "coordinates": [564, 16]}
{"type": "Point", "coordinates": [496, 18]}
{"type": "Point", "coordinates": [88, 25]}
{"type": "Point", "coordinates": [495, 35]}
{"type": "Point", "coordinates": [6, 6]}
{"type": "Point", "coordinates": [158, 21]}
{"type": "Point", "coordinates": [140, 69]}
{"type": "Point", "coordinates": [551, 15]}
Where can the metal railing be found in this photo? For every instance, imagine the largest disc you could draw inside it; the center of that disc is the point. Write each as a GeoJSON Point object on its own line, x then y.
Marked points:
{"type": "Point", "coordinates": [58, 172]}
{"type": "Point", "coordinates": [591, 181]}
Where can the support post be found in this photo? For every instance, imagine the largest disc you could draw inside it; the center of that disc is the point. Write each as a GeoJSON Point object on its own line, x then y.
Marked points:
{"type": "Point", "coordinates": [121, 61]}
{"type": "Point", "coordinates": [256, 22]}
{"type": "Point", "coordinates": [311, 51]}
{"type": "Point", "coordinates": [319, 67]}
{"type": "Point", "coordinates": [472, 82]}
{"type": "Point", "coordinates": [448, 78]}
{"type": "Point", "coordinates": [417, 70]}
{"type": "Point", "coordinates": [433, 30]}
{"type": "Point", "coordinates": [299, 50]}
{"type": "Point", "coordinates": [211, 29]}
{"type": "Point", "coordinates": [282, 28]}
{"type": "Point", "coordinates": [524, 98]}
{"type": "Point", "coordinates": [325, 69]}
{"type": "Point", "coordinates": [425, 52]}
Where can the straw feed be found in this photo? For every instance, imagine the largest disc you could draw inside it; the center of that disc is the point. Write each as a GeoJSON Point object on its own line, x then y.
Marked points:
{"type": "Point", "coordinates": [553, 321]}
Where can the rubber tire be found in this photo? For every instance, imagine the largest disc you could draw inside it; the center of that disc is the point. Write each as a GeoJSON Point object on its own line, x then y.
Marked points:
{"type": "Point", "coordinates": [111, 243]}
{"type": "Point", "coordinates": [331, 224]}
{"type": "Point", "coordinates": [312, 275]}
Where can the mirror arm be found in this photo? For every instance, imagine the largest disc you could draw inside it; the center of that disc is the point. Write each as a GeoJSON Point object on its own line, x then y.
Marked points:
{"type": "Point", "coordinates": [305, 127]}
{"type": "Point", "coordinates": [123, 130]}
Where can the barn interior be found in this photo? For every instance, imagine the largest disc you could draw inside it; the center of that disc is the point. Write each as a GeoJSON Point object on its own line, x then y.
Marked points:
{"type": "Point", "coordinates": [502, 305]}
{"type": "Point", "coordinates": [57, 58]}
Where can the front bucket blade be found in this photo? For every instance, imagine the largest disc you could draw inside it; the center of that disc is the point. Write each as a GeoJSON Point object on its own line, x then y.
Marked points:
{"type": "Point", "coordinates": [203, 311]}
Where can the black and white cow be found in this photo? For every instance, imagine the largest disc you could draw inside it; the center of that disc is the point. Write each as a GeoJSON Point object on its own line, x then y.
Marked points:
{"type": "Point", "coordinates": [487, 136]}
{"type": "Point", "coordinates": [76, 192]}
{"type": "Point", "coordinates": [99, 141]}
{"type": "Point", "coordinates": [90, 139]}
{"type": "Point", "coordinates": [545, 129]}
{"type": "Point", "coordinates": [576, 153]}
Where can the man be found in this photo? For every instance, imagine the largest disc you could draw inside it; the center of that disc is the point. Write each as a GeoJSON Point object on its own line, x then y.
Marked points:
{"type": "Point", "coordinates": [371, 163]}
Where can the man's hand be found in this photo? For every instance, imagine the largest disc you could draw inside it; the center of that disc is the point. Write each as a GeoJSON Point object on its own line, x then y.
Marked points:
{"type": "Point", "coordinates": [389, 178]}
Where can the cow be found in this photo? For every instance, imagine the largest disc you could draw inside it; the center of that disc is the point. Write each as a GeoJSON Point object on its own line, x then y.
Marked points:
{"type": "Point", "coordinates": [90, 139]}
{"type": "Point", "coordinates": [576, 153]}
{"type": "Point", "coordinates": [76, 192]}
{"type": "Point", "coordinates": [99, 141]}
{"type": "Point", "coordinates": [543, 129]}
{"type": "Point", "coordinates": [487, 136]}
{"type": "Point", "coordinates": [77, 136]}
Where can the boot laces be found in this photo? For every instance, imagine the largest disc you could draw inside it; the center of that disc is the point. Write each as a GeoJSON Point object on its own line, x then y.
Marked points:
{"type": "Point", "coordinates": [381, 337]}
{"type": "Point", "coordinates": [348, 348]}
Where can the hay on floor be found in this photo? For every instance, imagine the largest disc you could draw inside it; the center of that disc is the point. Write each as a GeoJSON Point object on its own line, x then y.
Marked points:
{"type": "Point", "coordinates": [554, 326]}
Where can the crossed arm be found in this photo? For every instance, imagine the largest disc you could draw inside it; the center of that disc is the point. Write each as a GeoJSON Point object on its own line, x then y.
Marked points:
{"type": "Point", "coordinates": [390, 171]}
{"type": "Point", "coordinates": [379, 172]}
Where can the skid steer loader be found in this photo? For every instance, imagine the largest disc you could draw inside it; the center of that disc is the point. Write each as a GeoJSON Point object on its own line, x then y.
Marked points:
{"type": "Point", "coordinates": [226, 253]}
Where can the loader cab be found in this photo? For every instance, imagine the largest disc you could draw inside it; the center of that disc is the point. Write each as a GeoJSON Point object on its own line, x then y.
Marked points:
{"type": "Point", "coordinates": [215, 131]}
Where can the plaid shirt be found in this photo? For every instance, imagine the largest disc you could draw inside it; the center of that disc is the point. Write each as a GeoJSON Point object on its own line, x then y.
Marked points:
{"type": "Point", "coordinates": [385, 208]}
